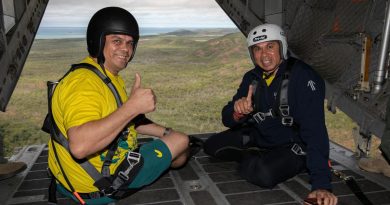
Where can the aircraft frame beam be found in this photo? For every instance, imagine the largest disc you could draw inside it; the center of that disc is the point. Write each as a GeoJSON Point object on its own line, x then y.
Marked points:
{"type": "Point", "coordinates": [380, 73]}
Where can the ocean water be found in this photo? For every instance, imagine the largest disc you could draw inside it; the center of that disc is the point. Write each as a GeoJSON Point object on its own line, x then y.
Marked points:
{"type": "Point", "coordinates": [79, 32]}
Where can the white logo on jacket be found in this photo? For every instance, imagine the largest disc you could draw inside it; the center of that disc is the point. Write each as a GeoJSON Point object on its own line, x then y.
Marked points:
{"type": "Point", "coordinates": [311, 84]}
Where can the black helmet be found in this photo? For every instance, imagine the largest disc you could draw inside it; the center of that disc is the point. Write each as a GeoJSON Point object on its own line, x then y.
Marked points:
{"type": "Point", "coordinates": [110, 20]}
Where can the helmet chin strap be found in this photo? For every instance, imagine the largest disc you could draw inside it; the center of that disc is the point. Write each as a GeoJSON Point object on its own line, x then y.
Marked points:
{"type": "Point", "coordinates": [133, 53]}
{"type": "Point", "coordinates": [103, 68]}
{"type": "Point", "coordinates": [101, 63]}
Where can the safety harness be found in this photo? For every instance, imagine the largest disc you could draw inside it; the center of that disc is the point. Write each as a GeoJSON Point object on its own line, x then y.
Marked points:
{"type": "Point", "coordinates": [113, 186]}
{"type": "Point", "coordinates": [280, 107]}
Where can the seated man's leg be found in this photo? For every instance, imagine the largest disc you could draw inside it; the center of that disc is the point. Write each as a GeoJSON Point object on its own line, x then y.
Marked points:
{"type": "Point", "coordinates": [170, 150]}
{"type": "Point", "coordinates": [177, 144]}
{"type": "Point", "coordinates": [157, 159]}
{"type": "Point", "coordinates": [272, 167]}
{"type": "Point", "coordinates": [229, 144]}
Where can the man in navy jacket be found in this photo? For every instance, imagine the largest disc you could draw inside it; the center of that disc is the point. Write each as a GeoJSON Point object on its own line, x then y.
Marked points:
{"type": "Point", "coordinates": [276, 119]}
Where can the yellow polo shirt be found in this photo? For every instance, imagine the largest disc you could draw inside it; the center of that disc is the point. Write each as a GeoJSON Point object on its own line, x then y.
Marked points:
{"type": "Point", "coordinates": [79, 98]}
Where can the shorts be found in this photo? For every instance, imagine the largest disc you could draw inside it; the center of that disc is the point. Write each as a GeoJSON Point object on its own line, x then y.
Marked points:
{"type": "Point", "coordinates": [157, 159]}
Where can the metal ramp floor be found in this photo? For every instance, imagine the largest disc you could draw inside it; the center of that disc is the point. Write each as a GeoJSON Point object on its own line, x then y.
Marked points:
{"type": "Point", "coordinates": [203, 181]}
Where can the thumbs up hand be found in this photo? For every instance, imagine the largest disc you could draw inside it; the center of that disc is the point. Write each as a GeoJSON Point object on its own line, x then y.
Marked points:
{"type": "Point", "coordinates": [244, 104]}
{"type": "Point", "coordinates": [137, 82]}
{"type": "Point", "coordinates": [142, 100]}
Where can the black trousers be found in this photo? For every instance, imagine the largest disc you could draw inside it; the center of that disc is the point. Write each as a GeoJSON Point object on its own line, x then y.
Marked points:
{"type": "Point", "coordinates": [263, 167]}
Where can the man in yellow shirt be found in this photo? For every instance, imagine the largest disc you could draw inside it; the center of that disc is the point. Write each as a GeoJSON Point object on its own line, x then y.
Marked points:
{"type": "Point", "coordinates": [86, 112]}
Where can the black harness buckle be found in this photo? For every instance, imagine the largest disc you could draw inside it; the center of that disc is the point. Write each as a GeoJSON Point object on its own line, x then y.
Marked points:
{"type": "Point", "coordinates": [133, 159]}
{"type": "Point", "coordinates": [284, 110]}
{"type": "Point", "coordinates": [287, 121]}
{"type": "Point", "coordinates": [260, 116]}
{"type": "Point", "coordinates": [298, 150]}
{"type": "Point", "coordinates": [109, 192]}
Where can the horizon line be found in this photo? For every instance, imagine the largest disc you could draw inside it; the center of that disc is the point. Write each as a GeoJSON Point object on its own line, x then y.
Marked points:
{"type": "Point", "coordinates": [139, 27]}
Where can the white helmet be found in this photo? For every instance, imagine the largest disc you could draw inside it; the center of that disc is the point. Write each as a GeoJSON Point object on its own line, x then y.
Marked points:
{"type": "Point", "coordinates": [267, 32]}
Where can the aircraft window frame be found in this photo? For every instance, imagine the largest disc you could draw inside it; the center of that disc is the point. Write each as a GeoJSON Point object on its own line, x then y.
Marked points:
{"type": "Point", "coordinates": [9, 17]}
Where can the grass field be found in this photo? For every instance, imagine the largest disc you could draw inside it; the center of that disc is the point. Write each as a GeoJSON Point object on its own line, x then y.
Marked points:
{"type": "Point", "coordinates": [193, 77]}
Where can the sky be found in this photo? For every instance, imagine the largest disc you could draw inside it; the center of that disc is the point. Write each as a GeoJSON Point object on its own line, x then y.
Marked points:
{"type": "Point", "coordinates": [149, 13]}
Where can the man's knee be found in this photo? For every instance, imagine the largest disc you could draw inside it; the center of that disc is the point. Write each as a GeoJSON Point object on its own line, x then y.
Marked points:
{"type": "Point", "coordinates": [181, 140]}
{"type": "Point", "coordinates": [177, 143]}
{"type": "Point", "coordinates": [156, 160]}
{"type": "Point", "coordinates": [208, 147]}
{"type": "Point", "coordinates": [258, 173]}
{"type": "Point", "coordinates": [214, 143]}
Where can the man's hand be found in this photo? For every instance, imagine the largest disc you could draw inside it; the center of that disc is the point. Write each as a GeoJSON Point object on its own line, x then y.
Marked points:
{"type": "Point", "coordinates": [244, 106]}
{"type": "Point", "coordinates": [323, 197]}
{"type": "Point", "coordinates": [142, 99]}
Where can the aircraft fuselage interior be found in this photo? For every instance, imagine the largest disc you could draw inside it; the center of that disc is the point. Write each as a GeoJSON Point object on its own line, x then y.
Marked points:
{"type": "Point", "coordinates": [345, 41]}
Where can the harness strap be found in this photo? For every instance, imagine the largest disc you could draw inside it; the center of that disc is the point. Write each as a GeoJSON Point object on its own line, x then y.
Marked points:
{"type": "Point", "coordinates": [100, 181]}
{"type": "Point", "coordinates": [280, 107]}
{"type": "Point", "coordinates": [133, 158]}
{"type": "Point", "coordinates": [104, 78]}
{"type": "Point", "coordinates": [283, 92]}
{"type": "Point", "coordinates": [52, 198]}
{"type": "Point", "coordinates": [65, 177]}
{"type": "Point", "coordinates": [284, 108]}
{"type": "Point", "coordinates": [85, 164]}
{"type": "Point", "coordinates": [111, 151]}
{"type": "Point", "coordinates": [54, 134]}
{"type": "Point", "coordinates": [114, 145]}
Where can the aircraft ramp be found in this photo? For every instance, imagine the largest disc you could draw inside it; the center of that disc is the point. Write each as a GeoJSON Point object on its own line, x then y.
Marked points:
{"type": "Point", "coordinates": [203, 181]}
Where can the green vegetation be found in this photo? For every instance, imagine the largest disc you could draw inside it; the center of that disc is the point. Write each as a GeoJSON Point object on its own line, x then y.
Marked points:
{"type": "Point", "coordinates": [193, 77]}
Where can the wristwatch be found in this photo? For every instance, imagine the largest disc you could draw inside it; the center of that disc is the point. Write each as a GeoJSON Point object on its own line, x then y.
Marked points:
{"type": "Point", "coordinates": [167, 131]}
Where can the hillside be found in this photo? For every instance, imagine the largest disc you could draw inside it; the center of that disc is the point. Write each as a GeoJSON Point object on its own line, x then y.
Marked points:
{"type": "Point", "coordinates": [193, 77]}
{"type": "Point", "coordinates": [181, 32]}
{"type": "Point", "coordinates": [225, 47]}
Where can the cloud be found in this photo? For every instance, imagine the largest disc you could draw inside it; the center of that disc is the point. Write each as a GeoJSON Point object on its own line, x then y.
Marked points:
{"type": "Point", "coordinates": [149, 13]}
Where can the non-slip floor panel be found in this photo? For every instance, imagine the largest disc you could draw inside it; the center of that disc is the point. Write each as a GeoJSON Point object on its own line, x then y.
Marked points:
{"type": "Point", "coordinates": [208, 181]}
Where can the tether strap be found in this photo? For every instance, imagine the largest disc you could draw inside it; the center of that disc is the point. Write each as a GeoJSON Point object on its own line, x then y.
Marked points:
{"type": "Point", "coordinates": [353, 186]}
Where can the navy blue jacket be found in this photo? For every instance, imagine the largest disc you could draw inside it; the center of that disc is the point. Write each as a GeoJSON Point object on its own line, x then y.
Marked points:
{"type": "Point", "coordinates": [306, 94]}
